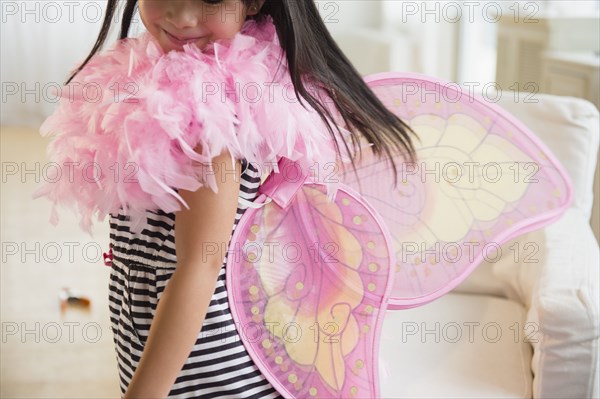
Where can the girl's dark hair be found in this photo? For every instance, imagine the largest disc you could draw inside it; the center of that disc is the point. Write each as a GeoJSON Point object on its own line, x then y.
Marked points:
{"type": "Point", "coordinates": [312, 53]}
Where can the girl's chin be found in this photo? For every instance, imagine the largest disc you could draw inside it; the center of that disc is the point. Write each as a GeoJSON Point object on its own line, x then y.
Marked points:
{"type": "Point", "coordinates": [170, 47]}
{"type": "Point", "coordinates": [168, 44]}
{"type": "Point", "coordinates": [202, 44]}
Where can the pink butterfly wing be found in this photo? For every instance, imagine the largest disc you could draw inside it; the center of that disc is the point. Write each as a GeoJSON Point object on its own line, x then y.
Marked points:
{"type": "Point", "coordinates": [308, 285]}
{"type": "Point", "coordinates": [481, 178]}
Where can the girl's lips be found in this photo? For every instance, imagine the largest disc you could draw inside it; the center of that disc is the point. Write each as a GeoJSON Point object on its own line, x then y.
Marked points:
{"type": "Point", "coordinates": [177, 41]}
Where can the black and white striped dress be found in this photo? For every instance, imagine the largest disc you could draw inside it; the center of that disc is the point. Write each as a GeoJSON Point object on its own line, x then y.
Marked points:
{"type": "Point", "coordinates": [218, 366]}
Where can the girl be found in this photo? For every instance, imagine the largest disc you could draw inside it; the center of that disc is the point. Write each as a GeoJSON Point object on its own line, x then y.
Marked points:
{"type": "Point", "coordinates": [186, 344]}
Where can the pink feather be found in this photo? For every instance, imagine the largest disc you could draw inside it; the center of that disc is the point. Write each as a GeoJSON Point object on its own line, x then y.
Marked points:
{"type": "Point", "coordinates": [135, 108]}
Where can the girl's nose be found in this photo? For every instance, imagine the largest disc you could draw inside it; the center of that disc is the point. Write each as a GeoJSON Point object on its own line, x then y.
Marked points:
{"type": "Point", "coordinates": [182, 14]}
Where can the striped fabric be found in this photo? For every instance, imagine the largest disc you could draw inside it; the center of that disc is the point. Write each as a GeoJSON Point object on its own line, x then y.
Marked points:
{"type": "Point", "coordinates": [218, 366]}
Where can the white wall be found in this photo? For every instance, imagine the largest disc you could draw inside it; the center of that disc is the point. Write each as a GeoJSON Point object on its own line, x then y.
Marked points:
{"type": "Point", "coordinates": [41, 43]}
{"type": "Point", "coordinates": [391, 35]}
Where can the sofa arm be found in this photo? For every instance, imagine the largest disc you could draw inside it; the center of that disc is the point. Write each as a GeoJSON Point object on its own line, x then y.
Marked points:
{"type": "Point", "coordinates": [563, 320]}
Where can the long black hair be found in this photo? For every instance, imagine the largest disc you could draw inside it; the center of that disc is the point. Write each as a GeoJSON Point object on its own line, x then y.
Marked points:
{"type": "Point", "coordinates": [313, 54]}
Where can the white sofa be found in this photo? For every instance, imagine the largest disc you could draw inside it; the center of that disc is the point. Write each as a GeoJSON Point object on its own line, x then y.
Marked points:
{"type": "Point", "coordinates": [525, 326]}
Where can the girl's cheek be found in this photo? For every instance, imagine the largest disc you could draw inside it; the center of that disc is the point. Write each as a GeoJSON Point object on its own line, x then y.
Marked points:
{"type": "Point", "coordinates": [151, 9]}
{"type": "Point", "coordinates": [151, 12]}
{"type": "Point", "coordinates": [225, 28]}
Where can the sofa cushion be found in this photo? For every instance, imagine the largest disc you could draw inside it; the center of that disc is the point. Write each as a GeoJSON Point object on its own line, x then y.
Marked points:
{"type": "Point", "coordinates": [570, 128]}
{"type": "Point", "coordinates": [511, 271]}
{"type": "Point", "coordinates": [564, 302]}
{"type": "Point", "coordinates": [557, 282]}
{"type": "Point", "coordinates": [458, 346]}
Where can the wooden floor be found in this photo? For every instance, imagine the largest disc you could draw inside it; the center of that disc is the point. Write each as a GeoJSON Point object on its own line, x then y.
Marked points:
{"type": "Point", "coordinates": [46, 353]}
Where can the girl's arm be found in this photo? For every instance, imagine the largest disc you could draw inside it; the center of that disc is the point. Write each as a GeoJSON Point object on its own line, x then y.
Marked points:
{"type": "Point", "coordinates": [200, 231]}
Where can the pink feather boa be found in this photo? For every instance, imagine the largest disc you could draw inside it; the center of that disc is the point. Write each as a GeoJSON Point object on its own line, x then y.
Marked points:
{"type": "Point", "coordinates": [126, 131]}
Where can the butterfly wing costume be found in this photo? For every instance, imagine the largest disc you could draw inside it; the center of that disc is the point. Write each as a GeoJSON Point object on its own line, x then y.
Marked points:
{"type": "Point", "coordinates": [314, 262]}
